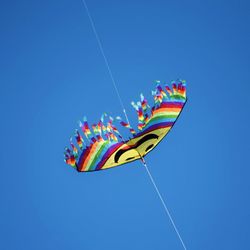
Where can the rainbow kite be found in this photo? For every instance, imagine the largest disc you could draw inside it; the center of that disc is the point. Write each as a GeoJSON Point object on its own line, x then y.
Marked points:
{"type": "Point", "coordinates": [106, 148]}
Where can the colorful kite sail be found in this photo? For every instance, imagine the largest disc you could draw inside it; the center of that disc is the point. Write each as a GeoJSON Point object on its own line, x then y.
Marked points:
{"type": "Point", "coordinates": [105, 147]}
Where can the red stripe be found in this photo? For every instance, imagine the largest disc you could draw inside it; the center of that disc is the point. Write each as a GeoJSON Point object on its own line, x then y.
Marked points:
{"type": "Point", "coordinates": [83, 157]}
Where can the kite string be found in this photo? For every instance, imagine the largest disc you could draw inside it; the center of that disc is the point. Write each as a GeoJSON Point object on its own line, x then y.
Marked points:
{"type": "Point", "coordinates": [105, 58]}
{"type": "Point", "coordinates": [163, 203]}
{"type": "Point", "coordinates": [124, 110]}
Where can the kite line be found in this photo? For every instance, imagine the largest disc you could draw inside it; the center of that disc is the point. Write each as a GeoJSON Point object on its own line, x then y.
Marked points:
{"type": "Point", "coordinates": [105, 58]}
{"type": "Point", "coordinates": [124, 111]}
{"type": "Point", "coordinates": [163, 203]}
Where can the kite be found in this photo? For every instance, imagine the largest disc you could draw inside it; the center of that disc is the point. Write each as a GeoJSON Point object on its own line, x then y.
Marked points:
{"type": "Point", "coordinates": [103, 146]}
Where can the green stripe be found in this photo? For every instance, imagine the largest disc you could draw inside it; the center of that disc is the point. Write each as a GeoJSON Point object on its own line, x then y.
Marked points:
{"type": "Point", "coordinates": [97, 155]}
{"type": "Point", "coordinates": [177, 97]}
{"type": "Point", "coordinates": [158, 117]}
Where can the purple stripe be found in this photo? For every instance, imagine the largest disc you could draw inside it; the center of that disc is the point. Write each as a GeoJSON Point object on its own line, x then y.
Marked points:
{"type": "Point", "coordinates": [172, 104]}
{"type": "Point", "coordinates": [156, 126]}
{"type": "Point", "coordinates": [106, 156]}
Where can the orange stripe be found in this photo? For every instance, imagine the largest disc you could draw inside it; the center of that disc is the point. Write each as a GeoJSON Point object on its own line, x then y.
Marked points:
{"type": "Point", "coordinates": [166, 110]}
{"type": "Point", "coordinates": [89, 155]}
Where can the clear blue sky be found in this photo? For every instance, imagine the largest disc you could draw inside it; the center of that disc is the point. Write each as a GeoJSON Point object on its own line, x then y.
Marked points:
{"type": "Point", "coordinates": [52, 74]}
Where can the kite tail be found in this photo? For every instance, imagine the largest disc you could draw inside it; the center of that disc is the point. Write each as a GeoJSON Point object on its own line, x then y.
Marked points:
{"type": "Point", "coordinates": [101, 132]}
{"type": "Point", "coordinates": [126, 125]}
{"type": "Point", "coordinates": [114, 129]}
{"type": "Point", "coordinates": [79, 140]}
{"type": "Point", "coordinates": [145, 107]}
{"type": "Point", "coordinates": [178, 91]}
{"type": "Point", "coordinates": [141, 108]}
{"type": "Point", "coordinates": [70, 157]}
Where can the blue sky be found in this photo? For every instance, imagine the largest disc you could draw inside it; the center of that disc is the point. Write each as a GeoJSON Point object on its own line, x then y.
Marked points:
{"type": "Point", "coordinates": [52, 74]}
